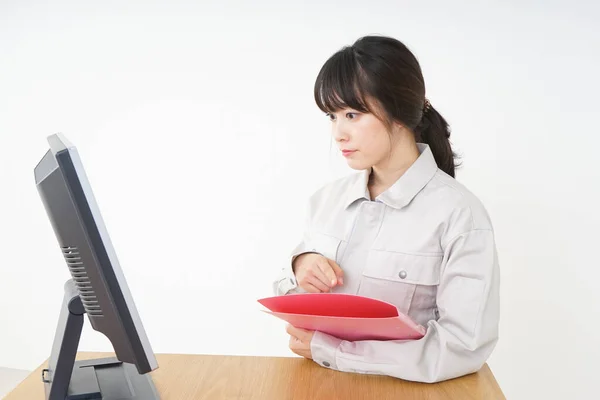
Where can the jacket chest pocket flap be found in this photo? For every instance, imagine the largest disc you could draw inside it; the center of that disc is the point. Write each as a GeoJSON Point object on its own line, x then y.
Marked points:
{"type": "Point", "coordinates": [404, 268]}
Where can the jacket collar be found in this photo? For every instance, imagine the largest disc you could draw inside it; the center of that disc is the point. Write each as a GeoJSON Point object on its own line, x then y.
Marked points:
{"type": "Point", "coordinates": [405, 188]}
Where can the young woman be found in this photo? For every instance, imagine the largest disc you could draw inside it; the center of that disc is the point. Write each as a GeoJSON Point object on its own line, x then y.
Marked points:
{"type": "Point", "coordinates": [401, 230]}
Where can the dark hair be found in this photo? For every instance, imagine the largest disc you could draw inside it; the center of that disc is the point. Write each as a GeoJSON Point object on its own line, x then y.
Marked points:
{"type": "Point", "coordinates": [384, 69]}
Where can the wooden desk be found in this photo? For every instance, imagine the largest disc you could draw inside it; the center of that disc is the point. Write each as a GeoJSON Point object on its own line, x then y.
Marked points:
{"type": "Point", "coordinates": [206, 377]}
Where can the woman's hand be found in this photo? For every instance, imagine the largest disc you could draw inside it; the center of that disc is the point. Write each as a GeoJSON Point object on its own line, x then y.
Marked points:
{"type": "Point", "coordinates": [317, 274]}
{"type": "Point", "coordinates": [300, 341]}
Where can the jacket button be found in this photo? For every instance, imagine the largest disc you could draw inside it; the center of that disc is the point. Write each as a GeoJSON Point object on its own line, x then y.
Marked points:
{"type": "Point", "coordinates": [325, 363]}
{"type": "Point", "coordinates": [402, 274]}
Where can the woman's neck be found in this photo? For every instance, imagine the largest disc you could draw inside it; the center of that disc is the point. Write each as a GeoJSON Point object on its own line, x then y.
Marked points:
{"type": "Point", "coordinates": [386, 173]}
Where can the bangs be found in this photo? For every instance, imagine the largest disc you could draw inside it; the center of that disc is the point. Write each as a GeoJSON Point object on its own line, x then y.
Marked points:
{"type": "Point", "coordinates": [340, 84]}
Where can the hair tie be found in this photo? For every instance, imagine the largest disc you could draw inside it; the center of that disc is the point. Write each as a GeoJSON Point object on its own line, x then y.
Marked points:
{"type": "Point", "coordinates": [426, 106]}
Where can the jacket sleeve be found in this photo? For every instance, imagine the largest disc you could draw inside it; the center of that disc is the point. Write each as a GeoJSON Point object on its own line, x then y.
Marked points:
{"type": "Point", "coordinates": [285, 282]}
{"type": "Point", "coordinates": [456, 344]}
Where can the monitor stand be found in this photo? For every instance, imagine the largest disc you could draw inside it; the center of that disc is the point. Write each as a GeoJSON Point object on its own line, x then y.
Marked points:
{"type": "Point", "coordinates": [104, 378]}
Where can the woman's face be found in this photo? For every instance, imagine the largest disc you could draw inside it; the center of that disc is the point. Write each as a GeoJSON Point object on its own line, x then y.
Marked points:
{"type": "Point", "coordinates": [363, 139]}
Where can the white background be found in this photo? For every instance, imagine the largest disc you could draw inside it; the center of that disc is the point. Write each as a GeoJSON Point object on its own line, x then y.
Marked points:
{"type": "Point", "coordinates": [198, 131]}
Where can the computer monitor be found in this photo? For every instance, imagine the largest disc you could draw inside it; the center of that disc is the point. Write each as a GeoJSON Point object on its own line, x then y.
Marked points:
{"type": "Point", "coordinates": [98, 288]}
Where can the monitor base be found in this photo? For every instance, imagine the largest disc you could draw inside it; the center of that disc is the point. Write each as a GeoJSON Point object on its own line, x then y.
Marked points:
{"type": "Point", "coordinates": [109, 379]}
{"type": "Point", "coordinates": [96, 379]}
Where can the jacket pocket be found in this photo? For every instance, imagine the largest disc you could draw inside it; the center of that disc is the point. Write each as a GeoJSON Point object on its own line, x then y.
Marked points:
{"type": "Point", "coordinates": [405, 280]}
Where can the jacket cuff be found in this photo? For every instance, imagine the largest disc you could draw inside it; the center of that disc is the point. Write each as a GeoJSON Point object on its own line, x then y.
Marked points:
{"type": "Point", "coordinates": [323, 348]}
{"type": "Point", "coordinates": [286, 282]}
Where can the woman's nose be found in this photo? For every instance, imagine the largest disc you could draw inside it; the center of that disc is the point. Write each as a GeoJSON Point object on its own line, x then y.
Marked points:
{"type": "Point", "coordinates": [339, 133]}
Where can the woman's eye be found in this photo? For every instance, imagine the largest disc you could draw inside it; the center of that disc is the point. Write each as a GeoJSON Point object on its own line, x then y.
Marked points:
{"type": "Point", "coordinates": [350, 115]}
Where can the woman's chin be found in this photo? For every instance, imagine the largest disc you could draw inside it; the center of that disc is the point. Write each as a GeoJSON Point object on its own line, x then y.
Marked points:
{"type": "Point", "coordinates": [357, 165]}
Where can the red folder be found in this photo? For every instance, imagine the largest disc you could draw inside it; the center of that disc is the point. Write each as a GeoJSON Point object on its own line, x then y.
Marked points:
{"type": "Point", "coordinates": [345, 316]}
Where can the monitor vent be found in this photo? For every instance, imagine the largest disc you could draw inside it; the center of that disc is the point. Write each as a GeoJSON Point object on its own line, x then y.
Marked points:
{"type": "Point", "coordinates": [84, 286]}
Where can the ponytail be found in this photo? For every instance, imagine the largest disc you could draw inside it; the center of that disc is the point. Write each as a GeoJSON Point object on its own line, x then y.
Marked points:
{"type": "Point", "coordinates": [434, 131]}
